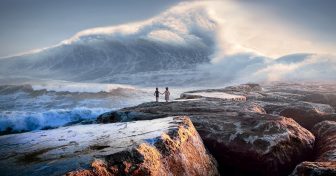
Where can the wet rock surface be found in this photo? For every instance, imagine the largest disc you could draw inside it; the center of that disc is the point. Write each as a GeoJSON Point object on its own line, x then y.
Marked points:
{"type": "Point", "coordinates": [325, 145]}
{"type": "Point", "coordinates": [257, 144]}
{"type": "Point", "coordinates": [166, 146]}
{"type": "Point", "coordinates": [307, 114]}
{"type": "Point", "coordinates": [307, 104]}
{"type": "Point", "coordinates": [325, 152]}
{"type": "Point", "coordinates": [315, 169]}
{"type": "Point", "coordinates": [262, 134]}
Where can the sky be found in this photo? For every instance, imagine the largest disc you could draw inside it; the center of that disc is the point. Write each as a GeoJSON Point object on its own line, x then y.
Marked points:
{"type": "Point", "coordinates": [276, 28]}
{"type": "Point", "coordinates": [318, 18]}
{"type": "Point", "coordinates": [32, 24]}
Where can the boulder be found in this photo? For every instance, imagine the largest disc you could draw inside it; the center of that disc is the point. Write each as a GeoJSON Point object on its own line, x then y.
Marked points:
{"type": "Point", "coordinates": [325, 152]}
{"type": "Point", "coordinates": [325, 145]}
{"type": "Point", "coordinates": [240, 135]}
{"type": "Point", "coordinates": [305, 103]}
{"type": "Point", "coordinates": [166, 146]}
{"type": "Point", "coordinates": [307, 114]}
{"type": "Point", "coordinates": [324, 98]}
{"type": "Point", "coordinates": [257, 144]}
{"type": "Point", "coordinates": [315, 169]}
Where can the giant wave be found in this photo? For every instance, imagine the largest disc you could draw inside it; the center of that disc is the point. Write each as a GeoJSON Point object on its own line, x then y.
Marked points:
{"type": "Point", "coordinates": [162, 45]}
{"type": "Point", "coordinates": [179, 47]}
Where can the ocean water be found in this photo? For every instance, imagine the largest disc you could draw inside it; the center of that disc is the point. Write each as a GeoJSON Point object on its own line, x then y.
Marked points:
{"type": "Point", "coordinates": [39, 106]}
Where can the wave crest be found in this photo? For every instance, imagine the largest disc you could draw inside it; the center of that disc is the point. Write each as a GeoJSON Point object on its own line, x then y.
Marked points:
{"type": "Point", "coordinates": [20, 121]}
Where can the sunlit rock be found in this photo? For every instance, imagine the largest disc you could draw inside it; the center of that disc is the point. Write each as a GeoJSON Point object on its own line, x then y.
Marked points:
{"type": "Point", "coordinates": [163, 146]}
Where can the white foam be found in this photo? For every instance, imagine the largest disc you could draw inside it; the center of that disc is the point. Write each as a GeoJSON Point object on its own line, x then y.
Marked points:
{"type": "Point", "coordinates": [27, 121]}
{"type": "Point", "coordinates": [63, 86]}
{"type": "Point", "coordinates": [220, 95]}
{"type": "Point", "coordinates": [191, 99]}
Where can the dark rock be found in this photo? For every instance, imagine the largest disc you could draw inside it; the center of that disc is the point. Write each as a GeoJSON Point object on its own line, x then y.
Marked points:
{"type": "Point", "coordinates": [255, 143]}
{"type": "Point", "coordinates": [315, 169]}
{"type": "Point", "coordinates": [152, 110]}
{"type": "Point", "coordinates": [325, 152]}
{"type": "Point", "coordinates": [305, 113]}
{"type": "Point", "coordinates": [241, 137]}
{"type": "Point", "coordinates": [325, 145]}
{"type": "Point", "coordinates": [324, 98]}
{"type": "Point", "coordinates": [120, 116]}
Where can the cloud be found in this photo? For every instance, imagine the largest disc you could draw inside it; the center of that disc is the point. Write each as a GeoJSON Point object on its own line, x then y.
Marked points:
{"type": "Point", "coordinates": [247, 67]}
{"type": "Point", "coordinates": [242, 28]}
{"type": "Point", "coordinates": [313, 67]}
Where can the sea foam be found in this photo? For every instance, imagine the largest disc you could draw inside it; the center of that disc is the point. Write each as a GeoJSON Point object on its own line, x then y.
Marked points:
{"type": "Point", "coordinates": [18, 121]}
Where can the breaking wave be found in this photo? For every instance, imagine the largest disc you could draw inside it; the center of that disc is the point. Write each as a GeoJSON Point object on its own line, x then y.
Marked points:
{"type": "Point", "coordinates": [50, 105]}
{"type": "Point", "coordinates": [20, 121]}
{"type": "Point", "coordinates": [165, 44]}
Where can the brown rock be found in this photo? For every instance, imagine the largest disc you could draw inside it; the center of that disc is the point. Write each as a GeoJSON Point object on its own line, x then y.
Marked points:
{"type": "Point", "coordinates": [181, 152]}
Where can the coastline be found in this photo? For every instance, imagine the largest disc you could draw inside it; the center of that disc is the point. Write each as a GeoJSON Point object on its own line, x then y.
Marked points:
{"type": "Point", "coordinates": [237, 130]}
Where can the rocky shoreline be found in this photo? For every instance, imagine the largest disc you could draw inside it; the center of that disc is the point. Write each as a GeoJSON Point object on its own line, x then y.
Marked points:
{"type": "Point", "coordinates": [277, 129]}
{"type": "Point", "coordinates": [251, 129]}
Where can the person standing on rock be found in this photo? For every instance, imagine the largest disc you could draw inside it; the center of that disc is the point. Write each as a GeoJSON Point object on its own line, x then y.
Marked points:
{"type": "Point", "coordinates": [156, 94]}
{"type": "Point", "coordinates": [166, 93]}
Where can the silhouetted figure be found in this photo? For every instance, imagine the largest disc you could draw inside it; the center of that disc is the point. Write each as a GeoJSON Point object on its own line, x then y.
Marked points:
{"type": "Point", "coordinates": [156, 94]}
{"type": "Point", "coordinates": [166, 93]}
